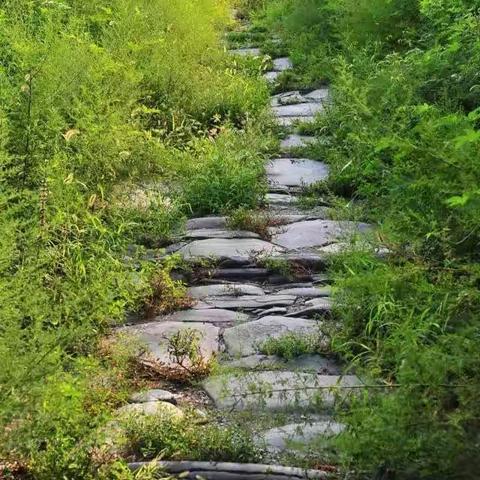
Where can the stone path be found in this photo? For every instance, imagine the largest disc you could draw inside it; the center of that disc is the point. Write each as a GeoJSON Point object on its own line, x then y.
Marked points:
{"type": "Point", "coordinates": [260, 289]}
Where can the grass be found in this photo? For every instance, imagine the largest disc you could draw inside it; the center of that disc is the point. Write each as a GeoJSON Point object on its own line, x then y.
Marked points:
{"type": "Point", "coordinates": [293, 345]}
{"type": "Point", "coordinates": [400, 138]}
{"type": "Point", "coordinates": [108, 154]}
{"type": "Point", "coordinates": [188, 438]}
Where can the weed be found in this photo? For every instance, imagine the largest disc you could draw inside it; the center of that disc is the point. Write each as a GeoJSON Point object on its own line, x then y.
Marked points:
{"type": "Point", "coordinates": [258, 222]}
{"type": "Point", "coordinates": [292, 345]}
{"type": "Point", "coordinates": [187, 438]}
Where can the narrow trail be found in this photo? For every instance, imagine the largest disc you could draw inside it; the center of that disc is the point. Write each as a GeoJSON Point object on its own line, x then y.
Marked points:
{"type": "Point", "coordinates": [259, 290]}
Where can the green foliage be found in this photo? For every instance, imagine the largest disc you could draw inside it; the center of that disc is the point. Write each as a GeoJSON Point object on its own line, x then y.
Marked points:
{"type": "Point", "coordinates": [188, 438]}
{"type": "Point", "coordinates": [224, 175]}
{"type": "Point", "coordinates": [292, 345]}
{"type": "Point", "coordinates": [104, 108]}
{"type": "Point", "coordinates": [401, 139]}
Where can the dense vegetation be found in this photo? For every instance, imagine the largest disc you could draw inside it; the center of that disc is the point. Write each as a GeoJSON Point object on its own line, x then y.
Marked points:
{"type": "Point", "coordinates": [106, 109]}
{"type": "Point", "coordinates": [402, 140]}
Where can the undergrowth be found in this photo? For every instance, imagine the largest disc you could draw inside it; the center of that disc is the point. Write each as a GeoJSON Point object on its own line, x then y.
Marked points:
{"type": "Point", "coordinates": [402, 143]}
{"type": "Point", "coordinates": [118, 119]}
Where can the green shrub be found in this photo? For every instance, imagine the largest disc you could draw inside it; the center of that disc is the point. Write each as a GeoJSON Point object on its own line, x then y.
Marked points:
{"type": "Point", "coordinates": [292, 345]}
{"type": "Point", "coordinates": [148, 88]}
{"type": "Point", "coordinates": [188, 438]}
{"type": "Point", "coordinates": [401, 138]}
{"type": "Point", "coordinates": [225, 175]}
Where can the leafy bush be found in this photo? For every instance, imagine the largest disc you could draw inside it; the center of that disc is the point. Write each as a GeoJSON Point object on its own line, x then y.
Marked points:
{"type": "Point", "coordinates": [187, 438]}
{"type": "Point", "coordinates": [99, 99]}
{"type": "Point", "coordinates": [401, 139]}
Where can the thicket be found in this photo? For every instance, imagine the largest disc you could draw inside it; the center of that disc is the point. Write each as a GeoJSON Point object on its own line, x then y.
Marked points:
{"type": "Point", "coordinates": [109, 112]}
{"type": "Point", "coordinates": [403, 142]}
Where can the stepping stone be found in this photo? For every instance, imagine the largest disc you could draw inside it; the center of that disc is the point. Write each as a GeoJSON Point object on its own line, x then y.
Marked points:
{"type": "Point", "coordinates": [247, 339]}
{"type": "Point", "coordinates": [318, 95]}
{"type": "Point", "coordinates": [313, 261]}
{"type": "Point", "coordinates": [238, 251]}
{"type": "Point", "coordinates": [320, 279]}
{"type": "Point", "coordinates": [306, 363]}
{"type": "Point", "coordinates": [279, 439]}
{"type": "Point", "coordinates": [298, 110]}
{"type": "Point", "coordinates": [317, 306]}
{"type": "Point", "coordinates": [280, 199]}
{"type": "Point", "coordinates": [155, 395]}
{"type": "Point", "coordinates": [285, 218]}
{"type": "Point", "coordinates": [315, 233]}
{"type": "Point", "coordinates": [255, 362]}
{"type": "Point", "coordinates": [245, 52]}
{"type": "Point", "coordinates": [282, 64]}
{"type": "Point", "coordinates": [278, 390]}
{"type": "Point", "coordinates": [155, 336]}
{"type": "Point", "coordinates": [239, 274]}
{"type": "Point", "coordinates": [271, 77]}
{"type": "Point", "coordinates": [150, 408]}
{"type": "Point", "coordinates": [272, 311]}
{"type": "Point", "coordinates": [217, 316]}
{"type": "Point", "coordinates": [229, 289]}
{"type": "Point", "coordinates": [314, 363]}
{"type": "Point", "coordinates": [297, 141]}
{"type": "Point", "coordinates": [251, 302]}
{"type": "Point", "coordinates": [289, 121]}
{"type": "Point", "coordinates": [287, 98]}
{"type": "Point", "coordinates": [206, 222]}
{"type": "Point", "coordinates": [291, 172]}
{"type": "Point", "coordinates": [307, 292]}
{"type": "Point", "coordinates": [219, 233]}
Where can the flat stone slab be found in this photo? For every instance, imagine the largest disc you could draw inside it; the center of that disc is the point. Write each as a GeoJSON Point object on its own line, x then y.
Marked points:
{"type": "Point", "coordinates": [279, 390]}
{"type": "Point", "coordinates": [295, 172]}
{"type": "Point", "coordinates": [314, 363]}
{"type": "Point", "coordinates": [287, 98]}
{"type": "Point", "coordinates": [296, 141]}
{"type": "Point", "coordinates": [282, 64]}
{"type": "Point", "coordinates": [289, 121]}
{"type": "Point", "coordinates": [154, 395]}
{"type": "Point", "coordinates": [206, 222]}
{"type": "Point", "coordinates": [156, 337]}
{"type": "Point", "coordinates": [280, 199]}
{"type": "Point", "coordinates": [219, 233]}
{"type": "Point", "coordinates": [308, 109]}
{"type": "Point", "coordinates": [271, 77]}
{"type": "Point", "coordinates": [307, 292]}
{"type": "Point", "coordinates": [281, 438]}
{"type": "Point", "coordinates": [224, 289]}
{"type": "Point", "coordinates": [310, 260]}
{"type": "Point", "coordinates": [245, 52]}
{"type": "Point", "coordinates": [247, 339]}
{"type": "Point", "coordinates": [316, 306]}
{"type": "Point", "coordinates": [315, 233]}
{"type": "Point", "coordinates": [240, 274]}
{"type": "Point", "coordinates": [251, 302]}
{"type": "Point", "coordinates": [318, 364]}
{"type": "Point", "coordinates": [272, 311]}
{"type": "Point", "coordinates": [150, 408]}
{"type": "Point", "coordinates": [318, 95]}
{"type": "Point", "coordinates": [236, 250]}
{"type": "Point", "coordinates": [217, 316]}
